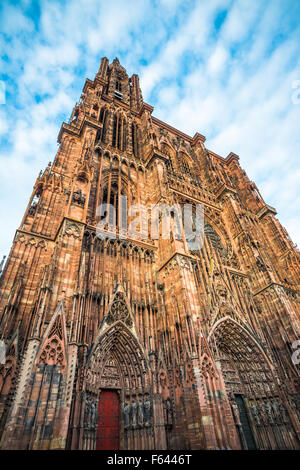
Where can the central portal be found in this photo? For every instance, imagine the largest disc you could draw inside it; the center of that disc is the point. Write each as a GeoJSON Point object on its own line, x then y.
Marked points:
{"type": "Point", "coordinates": [108, 420]}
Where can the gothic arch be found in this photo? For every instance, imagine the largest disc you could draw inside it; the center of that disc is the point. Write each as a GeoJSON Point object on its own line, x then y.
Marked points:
{"type": "Point", "coordinates": [260, 412]}
{"type": "Point", "coordinates": [117, 363]}
{"type": "Point", "coordinates": [212, 233]}
{"type": "Point", "coordinates": [184, 162]}
{"type": "Point", "coordinates": [228, 324]}
{"type": "Point", "coordinates": [118, 343]}
{"type": "Point", "coordinates": [114, 177]}
{"type": "Point", "coordinates": [53, 348]}
{"type": "Point", "coordinates": [166, 146]}
{"type": "Point", "coordinates": [212, 229]}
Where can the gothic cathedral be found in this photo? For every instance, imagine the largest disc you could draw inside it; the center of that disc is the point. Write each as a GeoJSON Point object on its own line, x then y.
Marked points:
{"type": "Point", "coordinates": [122, 342]}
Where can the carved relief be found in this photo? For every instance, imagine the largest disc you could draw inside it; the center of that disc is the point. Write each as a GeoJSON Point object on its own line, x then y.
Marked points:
{"type": "Point", "coordinates": [72, 229]}
{"type": "Point", "coordinates": [53, 352]}
{"type": "Point", "coordinates": [119, 310]}
{"type": "Point", "coordinates": [78, 198]}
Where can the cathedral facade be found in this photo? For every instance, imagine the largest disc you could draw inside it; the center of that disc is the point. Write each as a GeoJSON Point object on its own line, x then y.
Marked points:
{"type": "Point", "coordinates": [115, 341]}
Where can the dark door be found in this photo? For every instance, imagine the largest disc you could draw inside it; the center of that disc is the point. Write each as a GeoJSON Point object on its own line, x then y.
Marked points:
{"type": "Point", "coordinates": [245, 422]}
{"type": "Point", "coordinates": [108, 421]}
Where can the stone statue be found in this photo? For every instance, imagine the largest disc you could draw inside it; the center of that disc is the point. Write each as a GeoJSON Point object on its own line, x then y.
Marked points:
{"type": "Point", "coordinates": [255, 414]}
{"type": "Point", "coordinates": [90, 413]}
{"type": "Point", "coordinates": [147, 411]}
{"type": "Point", "coordinates": [126, 415]}
{"type": "Point", "coordinates": [92, 420]}
{"type": "Point", "coordinates": [268, 409]}
{"type": "Point", "coordinates": [134, 413]}
{"type": "Point", "coordinates": [236, 413]}
{"type": "Point", "coordinates": [261, 408]}
{"type": "Point", "coordinates": [140, 413]}
{"type": "Point", "coordinates": [169, 412]}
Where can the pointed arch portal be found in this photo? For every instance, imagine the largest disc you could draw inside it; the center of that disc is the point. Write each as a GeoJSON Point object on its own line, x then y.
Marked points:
{"type": "Point", "coordinates": [259, 412]}
{"type": "Point", "coordinates": [117, 403]}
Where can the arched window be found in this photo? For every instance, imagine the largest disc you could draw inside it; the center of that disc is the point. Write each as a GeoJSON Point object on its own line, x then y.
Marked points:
{"type": "Point", "coordinates": [106, 89]}
{"type": "Point", "coordinates": [111, 196]}
{"type": "Point", "coordinates": [33, 208]}
{"type": "Point", "coordinates": [118, 86]}
{"type": "Point", "coordinates": [114, 134]}
{"type": "Point", "coordinates": [119, 133]}
{"type": "Point", "coordinates": [214, 237]}
{"type": "Point", "coordinates": [101, 115]}
{"type": "Point", "coordinates": [101, 133]}
{"type": "Point", "coordinates": [95, 110]}
{"type": "Point", "coordinates": [135, 140]}
{"type": "Point", "coordinates": [170, 164]}
{"type": "Point", "coordinates": [167, 151]}
{"type": "Point", "coordinates": [185, 167]}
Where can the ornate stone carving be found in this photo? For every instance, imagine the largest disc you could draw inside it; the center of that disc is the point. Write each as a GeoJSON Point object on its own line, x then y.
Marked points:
{"type": "Point", "coordinates": [90, 416]}
{"type": "Point", "coordinates": [168, 412]}
{"type": "Point", "coordinates": [134, 414]}
{"type": "Point", "coordinates": [119, 310]}
{"type": "Point", "coordinates": [127, 411]}
{"type": "Point", "coordinates": [72, 229]}
{"type": "Point", "coordinates": [140, 412]}
{"type": "Point", "coordinates": [53, 350]}
{"type": "Point", "coordinates": [255, 414]}
{"type": "Point", "coordinates": [147, 411]}
{"type": "Point", "coordinates": [78, 198]}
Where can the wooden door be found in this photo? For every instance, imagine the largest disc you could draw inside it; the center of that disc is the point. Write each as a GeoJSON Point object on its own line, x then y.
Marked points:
{"type": "Point", "coordinates": [108, 421]}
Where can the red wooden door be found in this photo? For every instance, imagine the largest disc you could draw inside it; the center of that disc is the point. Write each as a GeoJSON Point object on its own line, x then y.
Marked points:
{"type": "Point", "coordinates": [108, 421]}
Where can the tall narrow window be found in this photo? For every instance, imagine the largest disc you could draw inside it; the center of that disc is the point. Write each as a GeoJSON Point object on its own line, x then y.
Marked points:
{"type": "Point", "coordinates": [119, 144]}
{"type": "Point", "coordinates": [101, 115]}
{"type": "Point", "coordinates": [133, 137]}
{"type": "Point", "coordinates": [185, 167]}
{"type": "Point", "coordinates": [104, 121]}
{"type": "Point", "coordinates": [135, 140]}
{"type": "Point", "coordinates": [112, 197]}
{"type": "Point", "coordinates": [114, 134]}
{"type": "Point", "coordinates": [170, 163]}
{"type": "Point", "coordinates": [98, 136]}
{"type": "Point", "coordinates": [124, 134]}
{"type": "Point", "coordinates": [119, 133]}
{"type": "Point", "coordinates": [118, 86]}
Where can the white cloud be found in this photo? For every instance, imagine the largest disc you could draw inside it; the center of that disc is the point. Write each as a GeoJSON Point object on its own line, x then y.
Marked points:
{"type": "Point", "coordinates": [232, 85]}
{"type": "Point", "coordinates": [217, 60]}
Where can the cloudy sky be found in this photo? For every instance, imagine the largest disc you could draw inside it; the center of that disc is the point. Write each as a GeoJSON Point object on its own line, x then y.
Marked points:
{"type": "Point", "coordinates": [227, 69]}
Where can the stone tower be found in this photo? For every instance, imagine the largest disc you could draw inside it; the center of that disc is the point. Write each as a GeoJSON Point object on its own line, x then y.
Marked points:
{"type": "Point", "coordinates": [116, 341]}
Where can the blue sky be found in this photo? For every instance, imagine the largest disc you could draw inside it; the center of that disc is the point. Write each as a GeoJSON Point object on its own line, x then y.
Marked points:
{"type": "Point", "coordinates": [227, 69]}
